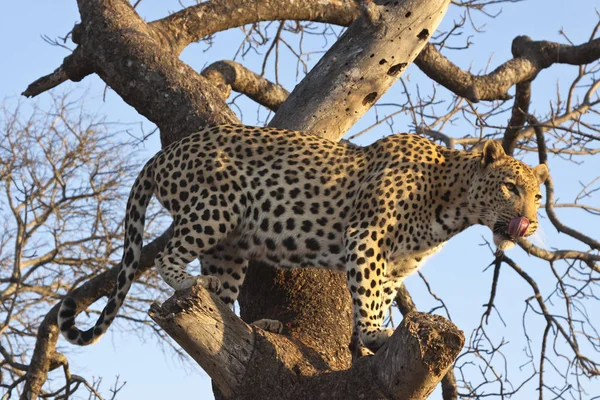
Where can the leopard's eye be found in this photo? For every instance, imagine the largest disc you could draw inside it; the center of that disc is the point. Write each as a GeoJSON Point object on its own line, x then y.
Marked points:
{"type": "Point", "coordinates": [511, 187]}
{"type": "Point", "coordinates": [538, 197]}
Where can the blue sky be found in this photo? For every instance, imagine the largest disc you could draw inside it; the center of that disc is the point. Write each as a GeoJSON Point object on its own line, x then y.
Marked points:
{"type": "Point", "coordinates": [457, 273]}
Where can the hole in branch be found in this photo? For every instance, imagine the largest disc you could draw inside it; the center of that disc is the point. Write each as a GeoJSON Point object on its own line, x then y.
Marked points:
{"type": "Point", "coordinates": [370, 98]}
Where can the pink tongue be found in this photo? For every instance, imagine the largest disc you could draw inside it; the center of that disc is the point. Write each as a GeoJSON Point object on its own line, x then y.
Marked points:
{"type": "Point", "coordinates": [518, 227]}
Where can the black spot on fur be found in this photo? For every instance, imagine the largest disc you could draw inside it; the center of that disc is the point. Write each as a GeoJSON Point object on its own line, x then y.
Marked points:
{"type": "Point", "coordinates": [312, 244]}
{"type": "Point", "coordinates": [72, 334]}
{"type": "Point", "coordinates": [290, 243]}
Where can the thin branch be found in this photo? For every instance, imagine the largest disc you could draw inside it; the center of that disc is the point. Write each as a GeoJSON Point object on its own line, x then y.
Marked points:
{"type": "Point", "coordinates": [543, 157]}
{"type": "Point", "coordinates": [229, 75]}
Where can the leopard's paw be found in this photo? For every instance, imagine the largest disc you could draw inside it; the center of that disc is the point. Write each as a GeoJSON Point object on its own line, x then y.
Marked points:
{"type": "Point", "coordinates": [210, 283]}
{"type": "Point", "coordinates": [269, 325]}
{"type": "Point", "coordinates": [358, 349]}
{"type": "Point", "coordinates": [376, 338]}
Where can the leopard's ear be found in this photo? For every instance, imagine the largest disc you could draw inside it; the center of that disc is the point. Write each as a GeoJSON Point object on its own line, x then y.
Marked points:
{"type": "Point", "coordinates": [492, 152]}
{"type": "Point", "coordinates": [542, 173]}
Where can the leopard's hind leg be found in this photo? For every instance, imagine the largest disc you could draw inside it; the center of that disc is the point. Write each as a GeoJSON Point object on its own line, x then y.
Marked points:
{"type": "Point", "coordinates": [190, 241]}
{"type": "Point", "coordinates": [222, 263]}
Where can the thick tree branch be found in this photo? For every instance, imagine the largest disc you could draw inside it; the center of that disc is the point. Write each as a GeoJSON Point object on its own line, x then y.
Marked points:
{"type": "Point", "coordinates": [329, 328]}
{"type": "Point", "coordinates": [193, 23]}
{"type": "Point", "coordinates": [406, 305]}
{"type": "Point", "coordinates": [409, 366]}
{"type": "Point", "coordinates": [172, 34]}
{"type": "Point", "coordinates": [229, 75]}
{"type": "Point", "coordinates": [360, 67]}
{"type": "Point", "coordinates": [530, 58]}
{"type": "Point", "coordinates": [134, 60]}
{"type": "Point", "coordinates": [210, 333]}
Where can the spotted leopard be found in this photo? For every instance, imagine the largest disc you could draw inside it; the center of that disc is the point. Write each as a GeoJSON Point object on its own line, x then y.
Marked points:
{"type": "Point", "coordinates": [292, 199]}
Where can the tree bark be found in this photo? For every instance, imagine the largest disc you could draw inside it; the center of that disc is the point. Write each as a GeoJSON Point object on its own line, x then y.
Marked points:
{"type": "Point", "coordinates": [140, 61]}
{"type": "Point", "coordinates": [137, 62]}
{"type": "Point", "coordinates": [360, 67]}
{"type": "Point", "coordinates": [229, 75]}
{"type": "Point", "coordinates": [530, 57]}
{"type": "Point", "coordinates": [248, 363]}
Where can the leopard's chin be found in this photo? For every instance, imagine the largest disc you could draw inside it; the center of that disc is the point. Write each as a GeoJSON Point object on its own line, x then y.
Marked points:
{"type": "Point", "coordinates": [503, 242]}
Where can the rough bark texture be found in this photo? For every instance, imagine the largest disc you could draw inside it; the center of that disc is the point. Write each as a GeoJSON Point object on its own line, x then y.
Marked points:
{"type": "Point", "coordinates": [253, 364]}
{"type": "Point", "coordinates": [193, 23]}
{"type": "Point", "coordinates": [360, 67]}
{"type": "Point", "coordinates": [137, 63]}
{"type": "Point", "coordinates": [530, 57]}
{"type": "Point", "coordinates": [210, 333]}
{"type": "Point", "coordinates": [313, 305]}
{"type": "Point", "coordinates": [229, 75]}
{"type": "Point", "coordinates": [519, 115]}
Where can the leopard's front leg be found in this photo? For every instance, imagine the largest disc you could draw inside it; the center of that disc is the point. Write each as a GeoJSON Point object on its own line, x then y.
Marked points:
{"type": "Point", "coordinates": [366, 273]}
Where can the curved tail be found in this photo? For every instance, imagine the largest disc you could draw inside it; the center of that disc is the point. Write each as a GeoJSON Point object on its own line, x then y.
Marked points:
{"type": "Point", "coordinates": [139, 198]}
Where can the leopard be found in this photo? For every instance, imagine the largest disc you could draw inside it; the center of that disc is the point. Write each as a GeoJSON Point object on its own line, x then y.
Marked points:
{"type": "Point", "coordinates": [292, 199]}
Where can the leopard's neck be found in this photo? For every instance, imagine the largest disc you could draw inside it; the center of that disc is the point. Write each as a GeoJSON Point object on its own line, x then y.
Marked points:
{"type": "Point", "coordinates": [452, 212]}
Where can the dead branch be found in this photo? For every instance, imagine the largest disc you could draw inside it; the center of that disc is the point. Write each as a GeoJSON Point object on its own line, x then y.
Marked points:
{"type": "Point", "coordinates": [543, 157]}
{"type": "Point", "coordinates": [530, 58]}
{"type": "Point", "coordinates": [193, 23]}
{"type": "Point", "coordinates": [75, 67]}
{"type": "Point", "coordinates": [588, 365]}
{"type": "Point", "coordinates": [520, 111]}
{"type": "Point", "coordinates": [196, 103]}
{"type": "Point", "coordinates": [405, 304]}
{"type": "Point", "coordinates": [404, 301]}
{"type": "Point", "coordinates": [229, 75]}
{"type": "Point", "coordinates": [373, 61]}
{"type": "Point", "coordinates": [232, 353]}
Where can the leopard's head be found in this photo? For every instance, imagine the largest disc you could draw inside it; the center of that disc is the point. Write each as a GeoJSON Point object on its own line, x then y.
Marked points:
{"type": "Point", "coordinates": [505, 195]}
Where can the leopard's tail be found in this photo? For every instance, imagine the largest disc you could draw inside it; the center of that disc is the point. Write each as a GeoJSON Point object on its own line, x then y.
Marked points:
{"type": "Point", "coordinates": [139, 198]}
